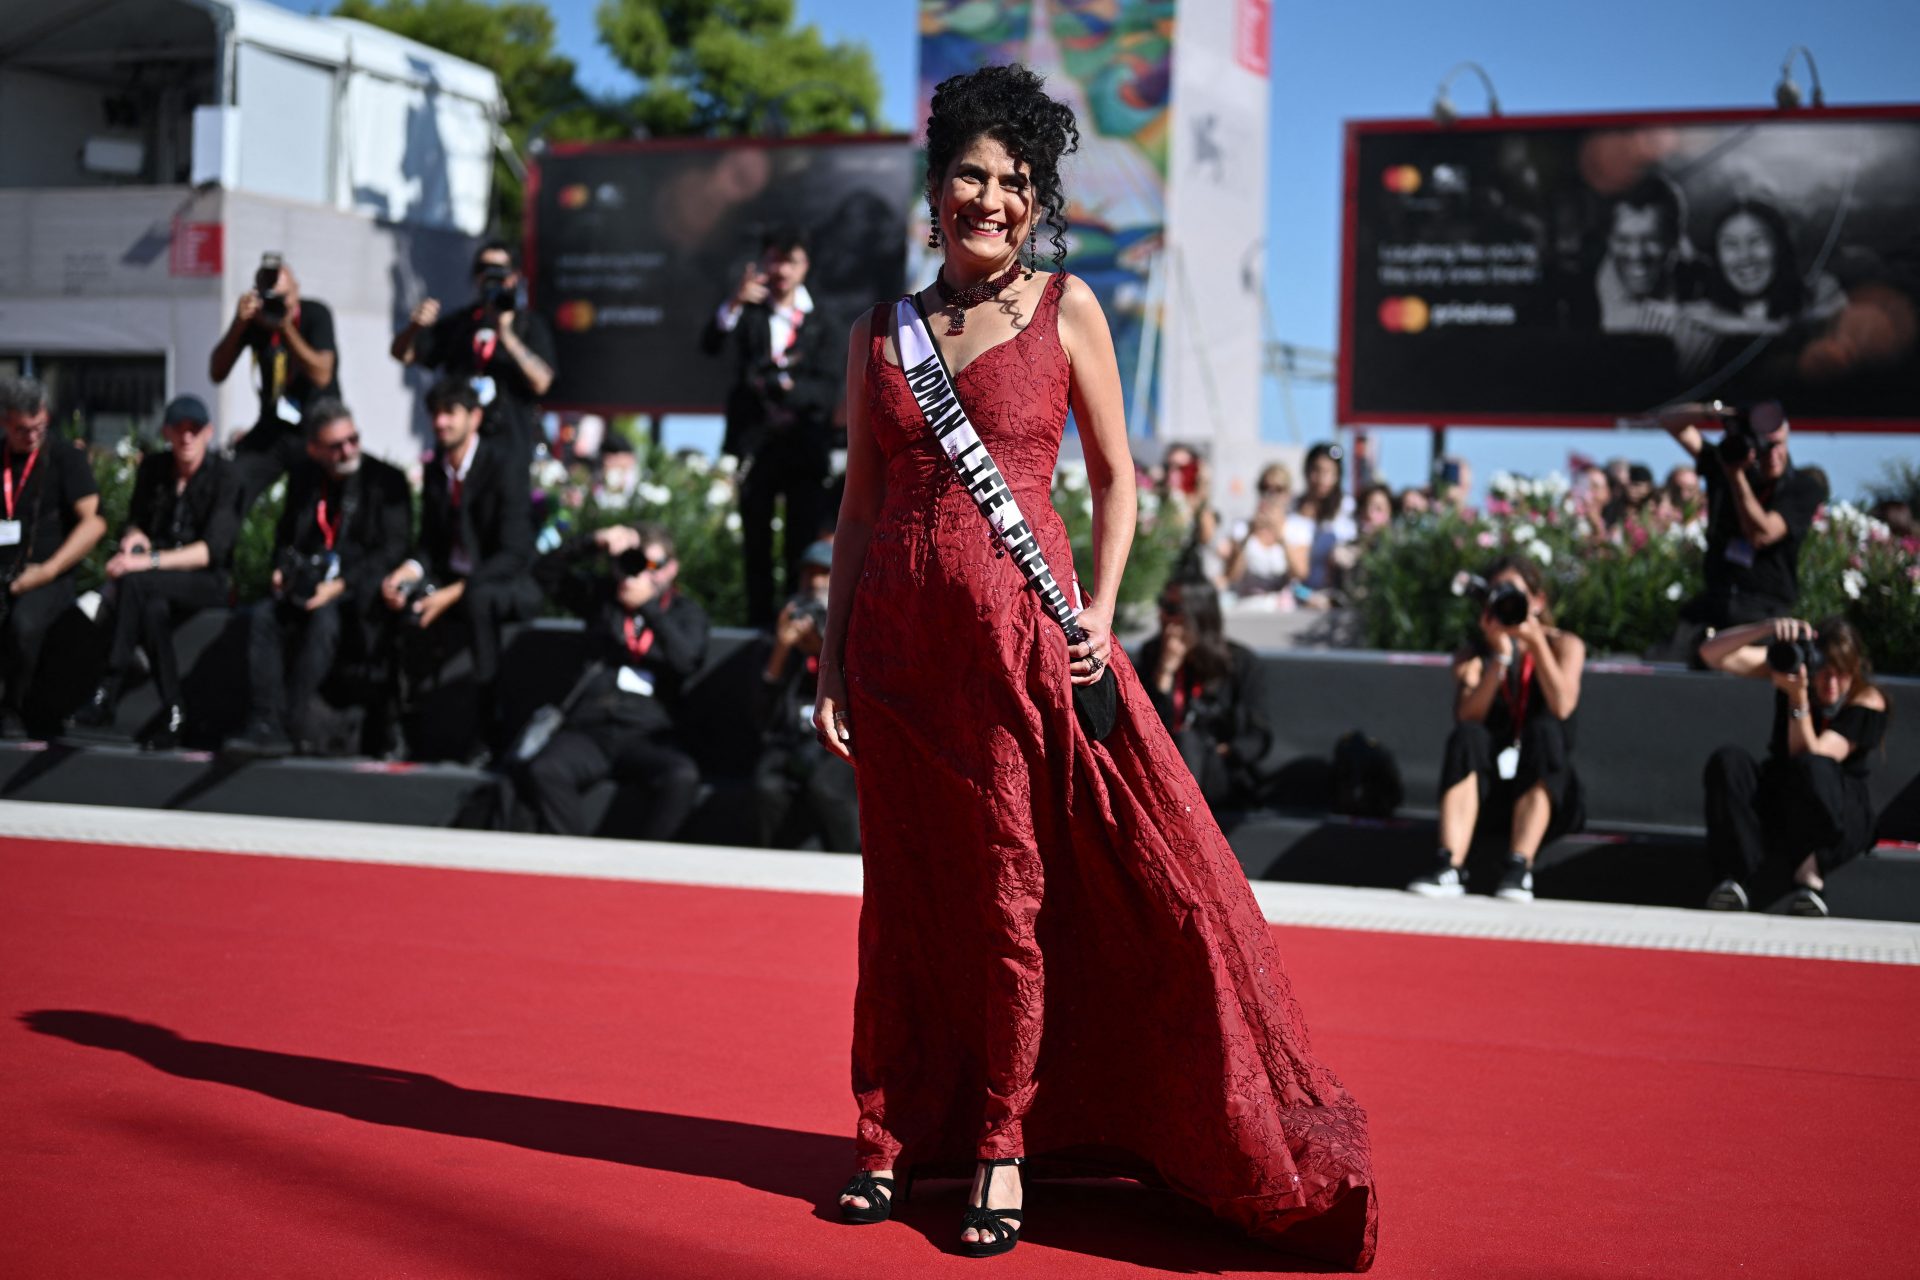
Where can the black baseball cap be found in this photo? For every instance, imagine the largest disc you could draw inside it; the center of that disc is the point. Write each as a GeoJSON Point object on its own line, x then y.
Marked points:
{"type": "Point", "coordinates": [185, 409]}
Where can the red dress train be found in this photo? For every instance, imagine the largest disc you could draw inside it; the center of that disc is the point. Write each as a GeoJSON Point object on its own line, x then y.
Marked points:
{"type": "Point", "coordinates": [1059, 954]}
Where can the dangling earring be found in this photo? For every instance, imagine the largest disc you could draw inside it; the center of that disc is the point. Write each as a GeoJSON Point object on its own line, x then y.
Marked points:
{"type": "Point", "coordinates": [1033, 248]}
{"type": "Point", "coordinates": [933, 233]}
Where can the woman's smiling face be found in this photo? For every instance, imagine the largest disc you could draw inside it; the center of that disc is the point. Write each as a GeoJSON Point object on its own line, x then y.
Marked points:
{"type": "Point", "coordinates": [984, 205]}
{"type": "Point", "coordinates": [1746, 252]}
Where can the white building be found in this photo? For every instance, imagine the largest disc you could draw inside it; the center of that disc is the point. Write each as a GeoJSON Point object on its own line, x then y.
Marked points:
{"type": "Point", "coordinates": [152, 150]}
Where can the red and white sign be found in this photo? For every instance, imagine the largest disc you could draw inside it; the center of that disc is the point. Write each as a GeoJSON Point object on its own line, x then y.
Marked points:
{"type": "Point", "coordinates": [196, 248]}
{"type": "Point", "coordinates": [1252, 32]}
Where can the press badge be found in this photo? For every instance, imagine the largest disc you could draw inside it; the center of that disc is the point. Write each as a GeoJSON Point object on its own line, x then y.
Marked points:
{"type": "Point", "coordinates": [287, 411]}
{"type": "Point", "coordinates": [1740, 552]}
{"type": "Point", "coordinates": [1507, 763]}
{"type": "Point", "coordinates": [9, 533]}
{"type": "Point", "coordinates": [484, 388]}
{"type": "Point", "coordinates": [634, 680]}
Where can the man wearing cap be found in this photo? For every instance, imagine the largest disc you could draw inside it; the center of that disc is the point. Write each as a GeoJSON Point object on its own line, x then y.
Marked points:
{"type": "Point", "coordinates": [173, 561]}
{"type": "Point", "coordinates": [801, 788]}
{"type": "Point", "coordinates": [49, 521]}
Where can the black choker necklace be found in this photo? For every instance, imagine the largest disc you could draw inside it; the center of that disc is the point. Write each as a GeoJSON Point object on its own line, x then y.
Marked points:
{"type": "Point", "coordinates": [956, 302]}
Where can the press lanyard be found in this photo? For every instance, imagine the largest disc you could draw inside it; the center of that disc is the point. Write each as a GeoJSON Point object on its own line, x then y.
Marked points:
{"type": "Point", "coordinates": [484, 340]}
{"type": "Point", "coordinates": [6, 471]}
{"type": "Point", "coordinates": [638, 641]}
{"type": "Point", "coordinates": [1518, 704]}
{"type": "Point", "coordinates": [327, 530]}
{"type": "Point", "coordinates": [1184, 692]}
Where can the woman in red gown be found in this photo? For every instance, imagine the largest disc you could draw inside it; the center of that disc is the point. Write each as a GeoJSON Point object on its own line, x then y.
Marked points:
{"type": "Point", "coordinates": [1060, 957]}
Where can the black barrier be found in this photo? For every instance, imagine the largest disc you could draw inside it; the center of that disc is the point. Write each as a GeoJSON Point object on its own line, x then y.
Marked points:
{"type": "Point", "coordinates": [1558, 271]}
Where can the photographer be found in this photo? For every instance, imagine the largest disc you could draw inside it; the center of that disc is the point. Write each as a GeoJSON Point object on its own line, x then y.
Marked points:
{"type": "Point", "coordinates": [476, 544]}
{"type": "Point", "coordinates": [645, 638]}
{"type": "Point", "coordinates": [786, 381]}
{"type": "Point", "coordinates": [49, 522]}
{"type": "Point", "coordinates": [1517, 685]}
{"type": "Point", "coordinates": [794, 770]}
{"type": "Point", "coordinates": [506, 351]}
{"type": "Point", "coordinates": [297, 361]}
{"type": "Point", "coordinates": [347, 517]}
{"type": "Point", "coordinates": [173, 561]}
{"type": "Point", "coordinates": [1210, 693]}
{"type": "Point", "coordinates": [1805, 809]}
{"type": "Point", "coordinates": [1759, 510]}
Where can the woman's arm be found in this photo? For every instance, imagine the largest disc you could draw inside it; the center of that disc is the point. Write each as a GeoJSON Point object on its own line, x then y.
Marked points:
{"type": "Point", "coordinates": [859, 508]}
{"type": "Point", "coordinates": [1558, 659]}
{"type": "Point", "coordinates": [1476, 680]}
{"type": "Point", "coordinates": [1742, 650]}
{"type": "Point", "coordinates": [1101, 415]}
{"type": "Point", "coordinates": [1299, 553]}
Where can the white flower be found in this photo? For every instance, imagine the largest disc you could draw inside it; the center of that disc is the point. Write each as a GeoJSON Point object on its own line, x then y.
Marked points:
{"type": "Point", "coordinates": [1540, 551]}
{"type": "Point", "coordinates": [1525, 533]}
{"type": "Point", "coordinates": [1853, 582]}
{"type": "Point", "coordinates": [697, 463]}
{"type": "Point", "coordinates": [654, 495]}
{"type": "Point", "coordinates": [733, 522]}
{"type": "Point", "coordinates": [726, 464]}
{"type": "Point", "coordinates": [1461, 581]}
{"type": "Point", "coordinates": [1073, 477]}
{"type": "Point", "coordinates": [1674, 591]}
{"type": "Point", "coordinates": [550, 474]}
{"type": "Point", "coordinates": [719, 493]}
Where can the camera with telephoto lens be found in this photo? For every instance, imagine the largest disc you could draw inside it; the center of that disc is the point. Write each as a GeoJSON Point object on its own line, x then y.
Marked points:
{"type": "Point", "coordinates": [301, 574]}
{"type": "Point", "coordinates": [633, 563]}
{"type": "Point", "coordinates": [496, 295]}
{"type": "Point", "coordinates": [412, 594]}
{"type": "Point", "coordinates": [1788, 656]}
{"type": "Point", "coordinates": [266, 283]}
{"type": "Point", "coordinates": [1746, 430]}
{"type": "Point", "coordinates": [1505, 602]}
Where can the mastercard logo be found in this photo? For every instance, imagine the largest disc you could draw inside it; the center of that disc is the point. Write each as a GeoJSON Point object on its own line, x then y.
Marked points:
{"type": "Point", "coordinates": [577, 196]}
{"type": "Point", "coordinates": [574, 317]}
{"type": "Point", "coordinates": [1404, 315]}
{"type": "Point", "coordinates": [1401, 179]}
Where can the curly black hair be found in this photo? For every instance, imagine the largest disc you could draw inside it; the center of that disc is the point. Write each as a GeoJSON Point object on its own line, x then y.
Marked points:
{"type": "Point", "coordinates": [1010, 105]}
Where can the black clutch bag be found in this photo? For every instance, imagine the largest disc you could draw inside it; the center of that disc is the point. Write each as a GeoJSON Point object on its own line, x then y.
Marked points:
{"type": "Point", "coordinates": [1098, 705]}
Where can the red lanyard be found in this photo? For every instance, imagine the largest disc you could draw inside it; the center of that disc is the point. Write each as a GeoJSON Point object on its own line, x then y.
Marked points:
{"type": "Point", "coordinates": [484, 341]}
{"type": "Point", "coordinates": [327, 531]}
{"type": "Point", "coordinates": [1184, 691]}
{"type": "Point", "coordinates": [1518, 705]}
{"type": "Point", "coordinates": [638, 641]}
{"type": "Point", "coordinates": [6, 470]}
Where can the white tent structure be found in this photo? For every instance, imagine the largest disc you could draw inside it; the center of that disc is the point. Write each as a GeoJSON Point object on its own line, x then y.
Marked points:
{"type": "Point", "coordinates": [153, 149]}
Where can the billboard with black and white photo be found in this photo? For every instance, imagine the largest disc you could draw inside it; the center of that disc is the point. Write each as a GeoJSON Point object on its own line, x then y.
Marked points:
{"type": "Point", "coordinates": [632, 247]}
{"type": "Point", "coordinates": [1572, 271]}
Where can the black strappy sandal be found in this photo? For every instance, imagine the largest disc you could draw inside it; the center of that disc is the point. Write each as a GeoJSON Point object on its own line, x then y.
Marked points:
{"type": "Point", "coordinates": [867, 1187]}
{"type": "Point", "coordinates": [1001, 1225]}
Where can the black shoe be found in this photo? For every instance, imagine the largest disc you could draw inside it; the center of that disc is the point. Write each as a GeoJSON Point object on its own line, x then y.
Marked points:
{"type": "Point", "coordinates": [97, 712]}
{"type": "Point", "coordinates": [1516, 883]}
{"type": "Point", "coordinates": [261, 740]}
{"type": "Point", "coordinates": [12, 727]}
{"type": "Point", "coordinates": [1444, 881]}
{"type": "Point", "coordinates": [1728, 895]}
{"type": "Point", "coordinates": [167, 736]}
{"type": "Point", "coordinates": [869, 1188]}
{"type": "Point", "coordinates": [1807, 902]}
{"type": "Point", "coordinates": [1001, 1226]}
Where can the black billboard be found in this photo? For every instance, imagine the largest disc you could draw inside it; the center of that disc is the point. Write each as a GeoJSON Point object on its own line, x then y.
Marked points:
{"type": "Point", "coordinates": [1572, 271]}
{"type": "Point", "coordinates": [631, 247]}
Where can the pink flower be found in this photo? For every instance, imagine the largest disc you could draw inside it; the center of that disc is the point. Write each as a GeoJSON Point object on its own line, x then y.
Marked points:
{"type": "Point", "coordinates": [1486, 538]}
{"type": "Point", "coordinates": [1499, 507]}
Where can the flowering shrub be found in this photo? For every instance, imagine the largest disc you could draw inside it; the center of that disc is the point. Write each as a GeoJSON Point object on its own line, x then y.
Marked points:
{"type": "Point", "coordinates": [1621, 591]}
{"type": "Point", "coordinates": [1157, 542]}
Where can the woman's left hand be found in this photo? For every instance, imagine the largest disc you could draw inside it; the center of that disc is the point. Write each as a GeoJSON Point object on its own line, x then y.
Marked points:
{"type": "Point", "coordinates": [1090, 659]}
{"type": "Point", "coordinates": [1792, 683]}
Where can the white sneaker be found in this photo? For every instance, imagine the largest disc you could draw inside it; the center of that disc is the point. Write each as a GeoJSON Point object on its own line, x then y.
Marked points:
{"type": "Point", "coordinates": [1443, 883]}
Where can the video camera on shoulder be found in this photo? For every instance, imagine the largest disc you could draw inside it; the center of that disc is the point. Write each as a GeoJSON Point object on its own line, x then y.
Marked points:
{"type": "Point", "coordinates": [1505, 602]}
{"type": "Point", "coordinates": [266, 283]}
{"type": "Point", "coordinates": [1747, 427]}
{"type": "Point", "coordinates": [496, 295]}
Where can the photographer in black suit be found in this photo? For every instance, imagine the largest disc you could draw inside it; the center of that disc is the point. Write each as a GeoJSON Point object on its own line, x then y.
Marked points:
{"type": "Point", "coordinates": [347, 517]}
{"type": "Point", "coordinates": [786, 381]}
{"type": "Point", "coordinates": [799, 786]}
{"type": "Point", "coordinates": [1759, 511]}
{"type": "Point", "coordinates": [645, 639]}
{"type": "Point", "coordinates": [49, 522]}
{"type": "Point", "coordinates": [472, 573]}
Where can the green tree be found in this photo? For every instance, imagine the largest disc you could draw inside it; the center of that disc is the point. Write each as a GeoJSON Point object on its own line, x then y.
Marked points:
{"type": "Point", "coordinates": [513, 39]}
{"type": "Point", "coordinates": [720, 67]}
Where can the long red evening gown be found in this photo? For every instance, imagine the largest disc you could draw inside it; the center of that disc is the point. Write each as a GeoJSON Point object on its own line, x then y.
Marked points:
{"type": "Point", "coordinates": [1059, 954]}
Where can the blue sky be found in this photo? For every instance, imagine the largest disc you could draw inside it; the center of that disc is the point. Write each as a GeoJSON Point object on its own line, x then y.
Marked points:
{"type": "Point", "coordinates": [1372, 58]}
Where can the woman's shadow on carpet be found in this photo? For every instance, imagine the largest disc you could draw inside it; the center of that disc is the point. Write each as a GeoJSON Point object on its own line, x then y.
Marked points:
{"type": "Point", "coordinates": [1146, 1228]}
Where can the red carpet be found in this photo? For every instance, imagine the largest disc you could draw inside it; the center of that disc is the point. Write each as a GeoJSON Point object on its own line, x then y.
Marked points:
{"type": "Point", "coordinates": [235, 1066]}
